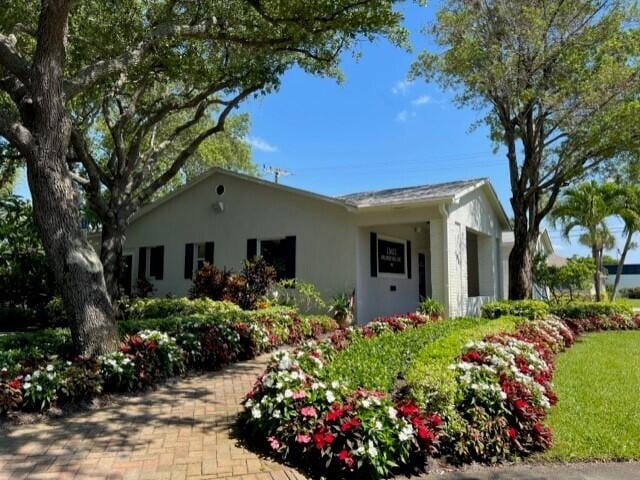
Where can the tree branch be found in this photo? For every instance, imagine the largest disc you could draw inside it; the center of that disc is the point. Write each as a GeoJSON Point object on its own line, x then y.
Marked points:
{"type": "Point", "coordinates": [11, 60]}
{"type": "Point", "coordinates": [190, 149]}
{"type": "Point", "coordinates": [16, 133]}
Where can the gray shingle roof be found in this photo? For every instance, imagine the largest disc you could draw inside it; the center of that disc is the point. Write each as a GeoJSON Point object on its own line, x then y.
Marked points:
{"type": "Point", "coordinates": [410, 194]}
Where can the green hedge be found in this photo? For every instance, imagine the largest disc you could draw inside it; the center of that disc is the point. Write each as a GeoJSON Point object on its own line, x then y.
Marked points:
{"type": "Point", "coordinates": [431, 382]}
{"type": "Point", "coordinates": [142, 308]}
{"type": "Point", "coordinates": [531, 309]}
{"type": "Point", "coordinates": [376, 363]}
{"type": "Point", "coordinates": [582, 310]}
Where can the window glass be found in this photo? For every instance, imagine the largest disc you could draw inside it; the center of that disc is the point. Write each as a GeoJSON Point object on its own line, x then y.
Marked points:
{"type": "Point", "coordinates": [275, 253]}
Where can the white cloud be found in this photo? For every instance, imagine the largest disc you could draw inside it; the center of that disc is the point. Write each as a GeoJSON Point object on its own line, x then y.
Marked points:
{"type": "Point", "coordinates": [261, 144]}
{"type": "Point", "coordinates": [401, 87]}
{"type": "Point", "coordinates": [402, 116]}
{"type": "Point", "coordinates": [422, 100]}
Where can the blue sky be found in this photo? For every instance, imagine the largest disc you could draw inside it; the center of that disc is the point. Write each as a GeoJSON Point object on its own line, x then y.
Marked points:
{"type": "Point", "coordinates": [376, 130]}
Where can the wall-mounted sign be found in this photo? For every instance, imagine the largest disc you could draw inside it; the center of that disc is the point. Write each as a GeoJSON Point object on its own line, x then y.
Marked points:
{"type": "Point", "coordinates": [391, 257]}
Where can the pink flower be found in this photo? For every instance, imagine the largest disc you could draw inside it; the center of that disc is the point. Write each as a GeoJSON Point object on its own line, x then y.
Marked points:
{"type": "Point", "coordinates": [274, 443]}
{"type": "Point", "coordinates": [300, 394]}
{"type": "Point", "coordinates": [308, 412]}
{"type": "Point", "coordinates": [303, 438]}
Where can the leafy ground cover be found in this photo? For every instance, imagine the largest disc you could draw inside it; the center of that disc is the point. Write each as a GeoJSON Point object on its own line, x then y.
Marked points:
{"type": "Point", "coordinates": [634, 302]}
{"type": "Point", "coordinates": [597, 417]}
{"type": "Point", "coordinates": [375, 363]}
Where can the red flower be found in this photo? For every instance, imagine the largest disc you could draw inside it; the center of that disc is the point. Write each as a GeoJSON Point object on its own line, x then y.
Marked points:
{"type": "Point", "coordinates": [308, 412]}
{"type": "Point", "coordinates": [15, 384]}
{"type": "Point", "coordinates": [425, 434]}
{"type": "Point", "coordinates": [335, 412]}
{"type": "Point", "coordinates": [346, 458]}
{"type": "Point", "coordinates": [513, 433]}
{"type": "Point", "coordinates": [520, 404]}
{"type": "Point", "coordinates": [321, 439]}
{"type": "Point", "coordinates": [436, 421]}
{"type": "Point", "coordinates": [408, 409]}
{"type": "Point", "coordinates": [473, 357]}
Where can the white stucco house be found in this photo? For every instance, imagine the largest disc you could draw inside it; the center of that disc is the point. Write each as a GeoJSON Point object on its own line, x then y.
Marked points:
{"type": "Point", "coordinates": [390, 247]}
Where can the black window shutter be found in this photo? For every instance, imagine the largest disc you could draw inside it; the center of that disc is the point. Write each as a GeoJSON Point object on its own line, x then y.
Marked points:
{"type": "Point", "coordinates": [188, 260]}
{"type": "Point", "coordinates": [252, 248]}
{"type": "Point", "coordinates": [290, 260]}
{"type": "Point", "coordinates": [408, 259]}
{"type": "Point", "coordinates": [208, 252]}
{"type": "Point", "coordinates": [156, 263]}
{"type": "Point", "coordinates": [374, 254]}
{"type": "Point", "coordinates": [142, 263]}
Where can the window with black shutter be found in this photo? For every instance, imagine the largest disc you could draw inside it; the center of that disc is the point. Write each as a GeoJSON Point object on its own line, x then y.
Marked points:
{"type": "Point", "coordinates": [142, 263]}
{"type": "Point", "coordinates": [188, 260]}
{"type": "Point", "coordinates": [252, 248]}
{"type": "Point", "coordinates": [156, 262]}
{"type": "Point", "coordinates": [280, 253]}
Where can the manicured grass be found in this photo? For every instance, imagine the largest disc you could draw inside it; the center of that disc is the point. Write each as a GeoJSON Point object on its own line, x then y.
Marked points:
{"type": "Point", "coordinates": [375, 363]}
{"type": "Point", "coordinates": [598, 384]}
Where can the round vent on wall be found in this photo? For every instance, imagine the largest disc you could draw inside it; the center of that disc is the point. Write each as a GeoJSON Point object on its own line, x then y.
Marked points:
{"type": "Point", "coordinates": [220, 190]}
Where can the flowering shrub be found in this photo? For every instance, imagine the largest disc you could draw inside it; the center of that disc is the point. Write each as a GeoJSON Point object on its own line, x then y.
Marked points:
{"type": "Point", "coordinates": [327, 424]}
{"type": "Point", "coordinates": [10, 392]}
{"type": "Point", "coordinates": [118, 372]}
{"type": "Point", "coordinates": [155, 356]}
{"type": "Point", "coordinates": [40, 387]}
{"type": "Point", "coordinates": [81, 379]}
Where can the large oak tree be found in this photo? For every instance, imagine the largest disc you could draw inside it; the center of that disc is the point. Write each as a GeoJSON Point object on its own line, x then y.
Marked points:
{"type": "Point", "coordinates": [559, 83]}
{"type": "Point", "coordinates": [57, 55]}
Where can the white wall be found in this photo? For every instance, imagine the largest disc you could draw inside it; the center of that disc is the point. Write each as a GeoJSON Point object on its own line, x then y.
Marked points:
{"type": "Point", "coordinates": [325, 233]}
{"type": "Point", "coordinates": [473, 212]}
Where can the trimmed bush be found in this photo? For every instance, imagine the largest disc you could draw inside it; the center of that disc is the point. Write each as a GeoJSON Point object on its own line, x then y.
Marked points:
{"type": "Point", "coordinates": [582, 310]}
{"type": "Point", "coordinates": [142, 308]}
{"type": "Point", "coordinates": [431, 381]}
{"type": "Point", "coordinates": [531, 309]}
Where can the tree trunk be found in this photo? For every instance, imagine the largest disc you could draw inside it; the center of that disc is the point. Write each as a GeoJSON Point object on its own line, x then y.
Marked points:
{"type": "Point", "coordinates": [112, 245]}
{"type": "Point", "coordinates": [522, 256]}
{"type": "Point", "coordinates": [623, 258]}
{"type": "Point", "coordinates": [596, 275]}
{"type": "Point", "coordinates": [75, 265]}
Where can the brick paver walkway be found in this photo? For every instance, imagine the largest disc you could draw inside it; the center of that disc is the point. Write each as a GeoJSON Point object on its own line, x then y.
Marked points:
{"type": "Point", "coordinates": [182, 430]}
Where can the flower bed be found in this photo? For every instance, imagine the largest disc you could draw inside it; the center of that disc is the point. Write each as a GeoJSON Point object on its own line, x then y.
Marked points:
{"type": "Point", "coordinates": [41, 376]}
{"type": "Point", "coordinates": [501, 395]}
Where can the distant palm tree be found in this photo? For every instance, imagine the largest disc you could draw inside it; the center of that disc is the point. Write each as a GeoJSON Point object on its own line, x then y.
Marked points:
{"type": "Point", "coordinates": [587, 206]}
{"type": "Point", "coordinates": [627, 207]}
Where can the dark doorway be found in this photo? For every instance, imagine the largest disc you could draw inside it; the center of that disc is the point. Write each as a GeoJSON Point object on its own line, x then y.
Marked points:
{"type": "Point", "coordinates": [422, 275]}
{"type": "Point", "coordinates": [125, 279]}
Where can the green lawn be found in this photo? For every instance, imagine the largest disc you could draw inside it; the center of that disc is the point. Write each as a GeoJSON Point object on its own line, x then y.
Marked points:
{"type": "Point", "coordinates": [598, 384]}
{"type": "Point", "coordinates": [635, 302]}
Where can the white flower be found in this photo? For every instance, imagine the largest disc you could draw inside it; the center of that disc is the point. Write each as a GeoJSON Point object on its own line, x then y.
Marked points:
{"type": "Point", "coordinates": [279, 398]}
{"type": "Point", "coordinates": [276, 414]}
{"type": "Point", "coordinates": [315, 386]}
{"type": "Point", "coordinates": [393, 413]}
{"type": "Point", "coordinates": [38, 388]}
{"type": "Point", "coordinates": [36, 374]}
{"type": "Point", "coordinates": [26, 385]}
{"type": "Point", "coordinates": [248, 403]}
{"type": "Point", "coordinates": [406, 433]}
{"type": "Point", "coordinates": [288, 393]}
{"type": "Point", "coordinates": [49, 368]}
{"type": "Point", "coordinates": [378, 425]}
{"type": "Point", "coordinates": [50, 376]}
{"type": "Point", "coordinates": [373, 451]}
{"type": "Point", "coordinates": [335, 384]}
{"type": "Point", "coordinates": [330, 396]}
{"type": "Point", "coordinates": [4, 369]}
{"type": "Point", "coordinates": [366, 403]}
{"type": "Point", "coordinates": [256, 413]}
{"type": "Point", "coordinates": [285, 363]}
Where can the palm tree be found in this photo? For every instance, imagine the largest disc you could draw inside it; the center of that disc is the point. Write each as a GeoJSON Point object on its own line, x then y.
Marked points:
{"type": "Point", "coordinates": [627, 207]}
{"type": "Point", "coordinates": [587, 206]}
